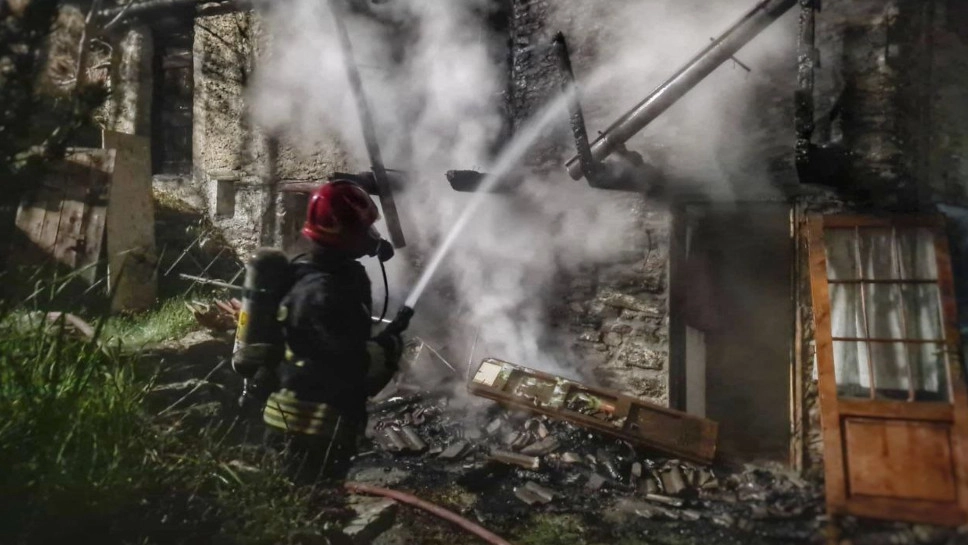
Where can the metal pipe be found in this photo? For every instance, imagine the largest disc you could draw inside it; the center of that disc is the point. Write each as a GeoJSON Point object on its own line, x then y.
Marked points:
{"type": "Point", "coordinates": [369, 132]}
{"type": "Point", "coordinates": [685, 79]}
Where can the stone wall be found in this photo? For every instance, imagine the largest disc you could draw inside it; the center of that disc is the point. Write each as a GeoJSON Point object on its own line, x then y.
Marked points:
{"type": "Point", "coordinates": [617, 313]}
{"type": "Point", "coordinates": [237, 166]}
{"type": "Point", "coordinates": [230, 154]}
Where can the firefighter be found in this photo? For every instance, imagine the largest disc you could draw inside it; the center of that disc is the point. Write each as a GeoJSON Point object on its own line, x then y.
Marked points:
{"type": "Point", "coordinates": [331, 363]}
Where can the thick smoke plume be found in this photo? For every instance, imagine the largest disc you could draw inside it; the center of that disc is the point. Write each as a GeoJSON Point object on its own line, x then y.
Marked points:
{"type": "Point", "coordinates": [434, 73]}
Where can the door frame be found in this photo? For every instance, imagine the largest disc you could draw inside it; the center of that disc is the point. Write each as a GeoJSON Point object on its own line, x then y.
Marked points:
{"type": "Point", "coordinates": [678, 253]}
{"type": "Point", "coordinates": [834, 409]}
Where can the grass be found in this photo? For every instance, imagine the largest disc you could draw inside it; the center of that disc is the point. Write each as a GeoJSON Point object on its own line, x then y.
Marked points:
{"type": "Point", "coordinates": [171, 320]}
{"type": "Point", "coordinates": [84, 462]}
{"type": "Point", "coordinates": [72, 434]}
{"type": "Point", "coordinates": [548, 529]}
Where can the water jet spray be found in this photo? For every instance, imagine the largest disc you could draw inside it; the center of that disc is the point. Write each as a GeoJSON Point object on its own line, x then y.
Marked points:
{"type": "Point", "coordinates": [509, 157]}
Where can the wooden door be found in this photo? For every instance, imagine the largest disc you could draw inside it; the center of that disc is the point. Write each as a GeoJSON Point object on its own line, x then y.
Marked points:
{"type": "Point", "coordinates": [892, 395]}
{"type": "Point", "coordinates": [64, 218]}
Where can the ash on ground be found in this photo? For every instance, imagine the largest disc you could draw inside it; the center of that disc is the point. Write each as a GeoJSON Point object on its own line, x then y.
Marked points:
{"type": "Point", "coordinates": [509, 464]}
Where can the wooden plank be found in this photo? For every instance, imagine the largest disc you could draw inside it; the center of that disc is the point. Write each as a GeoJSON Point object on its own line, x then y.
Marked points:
{"type": "Point", "coordinates": [956, 380]}
{"type": "Point", "coordinates": [899, 340]}
{"type": "Point", "coordinates": [30, 217]}
{"type": "Point", "coordinates": [899, 459]}
{"type": "Point", "coordinates": [101, 165]}
{"type": "Point", "coordinates": [798, 429]}
{"type": "Point", "coordinates": [834, 483]}
{"type": "Point", "coordinates": [130, 224]}
{"type": "Point", "coordinates": [609, 412]}
{"type": "Point", "coordinates": [73, 209]}
{"type": "Point", "coordinates": [53, 203]}
{"type": "Point", "coordinates": [677, 319]}
{"type": "Point", "coordinates": [900, 282]}
{"type": "Point", "coordinates": [923, 410]}
{"type": "Point", "coordinates": [931, 512]}
{"type": "Point", "coordinates": [847, 221]}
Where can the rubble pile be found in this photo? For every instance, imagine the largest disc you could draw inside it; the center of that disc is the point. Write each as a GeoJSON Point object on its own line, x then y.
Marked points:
{"type": "Point", "coordinates": [514, 462]}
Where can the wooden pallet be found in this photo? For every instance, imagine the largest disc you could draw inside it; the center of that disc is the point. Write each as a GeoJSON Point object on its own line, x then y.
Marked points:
{"type": "Point", "coordinates": [612, 413]}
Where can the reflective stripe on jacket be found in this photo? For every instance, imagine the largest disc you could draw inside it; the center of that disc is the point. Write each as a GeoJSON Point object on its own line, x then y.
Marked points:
{"type": "Point", "coordinates": [287, 413]}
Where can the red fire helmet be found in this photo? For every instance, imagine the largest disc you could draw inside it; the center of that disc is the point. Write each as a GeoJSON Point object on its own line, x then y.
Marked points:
{"type": "Point", "coordinates": [340, 215]}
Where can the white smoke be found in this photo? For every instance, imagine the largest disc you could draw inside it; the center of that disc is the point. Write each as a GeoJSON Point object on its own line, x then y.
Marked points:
{"type": "Point", "coordinates": [718, 134]}
{"type": "Point", "coordinates": [433, 73]}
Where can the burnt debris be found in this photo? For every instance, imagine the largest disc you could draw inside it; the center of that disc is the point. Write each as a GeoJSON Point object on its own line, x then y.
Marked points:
{"type": "Point", "coordinates": [514, 462]}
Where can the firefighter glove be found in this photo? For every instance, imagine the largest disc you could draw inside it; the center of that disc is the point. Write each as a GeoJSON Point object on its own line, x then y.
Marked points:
{"type": "Point", "coordinates": [392, 346]}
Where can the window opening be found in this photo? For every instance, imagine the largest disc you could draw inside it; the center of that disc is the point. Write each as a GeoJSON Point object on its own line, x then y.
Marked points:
{"type": "Point", "coordinates": [172, 103]}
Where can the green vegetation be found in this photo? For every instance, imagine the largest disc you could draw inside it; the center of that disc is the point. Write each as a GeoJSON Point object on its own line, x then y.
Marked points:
{"type": "Point", "coordinates": [171, 320]}
{"type": "Point", "coordinates": [547, 529]}
{"type": "Point", "coordinates": [84, 462]}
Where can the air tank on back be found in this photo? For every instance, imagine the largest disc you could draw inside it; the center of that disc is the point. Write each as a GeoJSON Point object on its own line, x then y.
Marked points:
{"type": "Point", "coordinates": [259, 339]}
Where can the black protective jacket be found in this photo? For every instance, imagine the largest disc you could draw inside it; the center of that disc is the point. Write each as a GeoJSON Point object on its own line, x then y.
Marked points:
{"type": "Point", "coordinates": [326, 319]}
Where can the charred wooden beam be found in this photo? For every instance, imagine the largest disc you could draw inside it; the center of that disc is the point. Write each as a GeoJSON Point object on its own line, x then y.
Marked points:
{"type": "Point", "coordinates": [471, 180]}
{"type": "Point", "coordinates": [590, 168]}
{"type": "Point", "coordinates": [369, 133]}
{"type": "Point", "coordinates": [628, 172]}
{"type": "Point", "coordinates": [818, 160]}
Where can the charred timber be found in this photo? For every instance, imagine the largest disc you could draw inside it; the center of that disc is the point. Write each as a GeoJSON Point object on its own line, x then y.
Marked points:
{"type": "Point", "coordinates": [667, 94]}
{"type": "Point", "coordinates": [387, 203]}
{"type": "Point", "coordinates": [470, 180]}
{"type": "Point", "coordinates": [590, 168]}
{"type": "Point", "coordinates": [821, 163]}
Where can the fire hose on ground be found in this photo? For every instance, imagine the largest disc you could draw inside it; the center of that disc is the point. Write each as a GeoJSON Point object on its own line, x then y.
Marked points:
{"type": "Point", "coordinates": [409, 499]}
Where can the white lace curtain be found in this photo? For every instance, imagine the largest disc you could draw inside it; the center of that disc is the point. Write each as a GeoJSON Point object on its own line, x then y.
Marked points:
{"type": "Point", "coordinates": [885, 311]}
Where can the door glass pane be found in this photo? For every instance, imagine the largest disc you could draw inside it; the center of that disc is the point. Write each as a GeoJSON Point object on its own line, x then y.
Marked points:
{"type": "Point", "coordinates": [841, 254]}
{"type": "Point", "coordinates": [884, 320]}
{"type": "Point", "coordinates": [891, 378]}
{"type": "Point", "coordinates": [876, 254]}
{"type": "Point", "coordinates": [851, 370]}
{"type": "Point", "coordinates": [896, 365]}
{"type": "Point", "coordinates": [916, 251]}
{"type": "Point", "coordinates": [846, 316]}
{"type": "Point", "coordinates": [922, 311]}
{"type": "Point", "coordinates": [930, 372]}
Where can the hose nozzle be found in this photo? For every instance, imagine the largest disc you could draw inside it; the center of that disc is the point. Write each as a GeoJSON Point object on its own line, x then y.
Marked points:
{"type": "Point", "coordinates": [401, 321]}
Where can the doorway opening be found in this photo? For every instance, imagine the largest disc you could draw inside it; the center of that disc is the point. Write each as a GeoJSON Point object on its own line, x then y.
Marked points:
{"type": "Point", "coordinates": [732, 324]}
